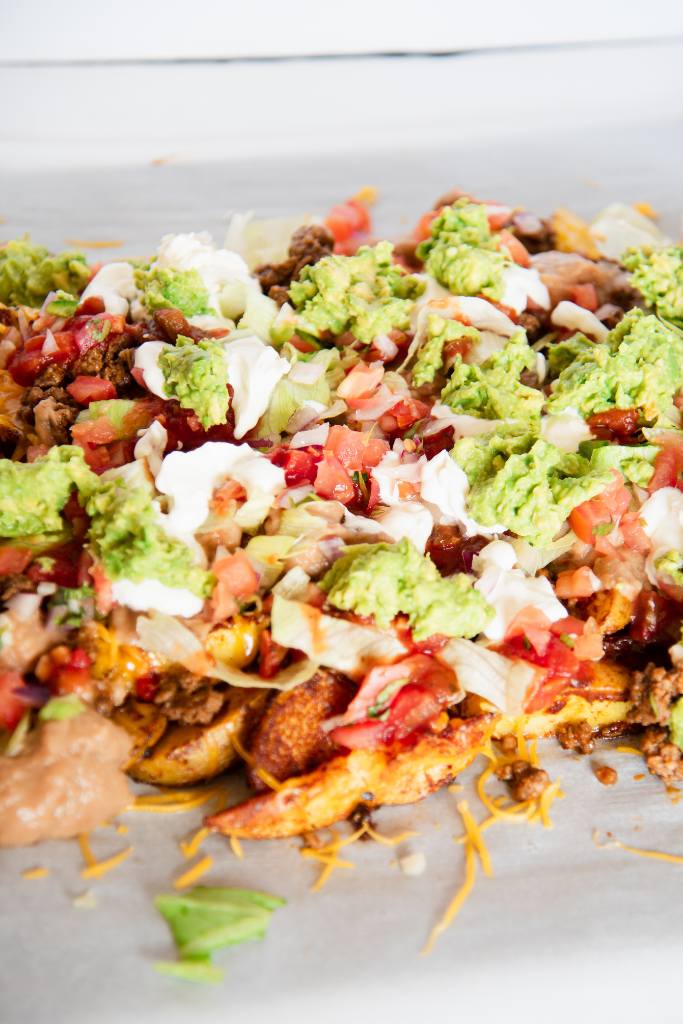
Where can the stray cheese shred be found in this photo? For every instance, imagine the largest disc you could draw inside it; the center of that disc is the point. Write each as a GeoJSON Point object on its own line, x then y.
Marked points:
{"type": "Point", "coordinates": [475, 837]}
{"type": "Point", "coordinates": [263, 775]}
{"type": "Point", "coordinates": [192, 874]}
{"type": "Point", "coordinates": [174, 803]}
{"type": "Point", "coordinates": [456, 904]}
{"type": "Point", "coordinates": [86, 852]}
{"type": "Point", "coordinates": [671, 858]}
{"type": "Point", "coordinates": [32, 873]}
{"type": "Point", "coordinates": [622, 749]}
{"type": "Point", "coordinates": [189, 847]}
{"type": "Point", "coordinates": [102, 867]}
{"type": "Point", "coordinates": [236, 847]}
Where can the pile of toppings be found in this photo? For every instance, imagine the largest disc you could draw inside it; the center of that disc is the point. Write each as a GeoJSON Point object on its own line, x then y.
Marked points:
{"type": "Point", "coordinates": [428, 468]}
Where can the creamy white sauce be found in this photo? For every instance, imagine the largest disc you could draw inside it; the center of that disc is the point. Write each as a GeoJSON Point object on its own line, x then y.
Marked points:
{"type": "Point", "coordinates": [662, 520]}
{"type": "Point", "coordinates": [151, 595]}
{"type": "Point", "coordinates": [190, 478]}
{"type": "Point", "coordinates": [521, 284]}
{"type": "Point", "coordinates": [253, 371]}
{"type": "Point", "coordinates": [444, 487]}
{"type": "Point", "coordinates": [218, 268]}
{"type": "Point", "coordinates": [114, 283]}
{"type": "Point", "coordinates": [508, 590]}
{"type": "Point", "coordinates": [407, 519]}
{"type": "Point", "coordinates": [146, 359]}
{"type": "Point", "coordinates": [575, 318]}
{"type": "Point", "coordinates": [151, 446]}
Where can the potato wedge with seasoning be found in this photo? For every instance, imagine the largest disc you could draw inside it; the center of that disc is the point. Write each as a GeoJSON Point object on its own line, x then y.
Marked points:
{"type": "Point", "coordinates": [144, 722]}
{"type": "Point", "coordinates": [372, 777]}
{"type": "Point", "coordinates": [193, 753]}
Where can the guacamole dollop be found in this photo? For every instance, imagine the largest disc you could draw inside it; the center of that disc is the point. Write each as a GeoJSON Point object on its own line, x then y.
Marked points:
{"type": "Point", "coordinates": [365, 294]}
{"type": "Point", "coordinates": [33, 494]}
{"type": "Point", "coordinates": [493, 390]}
{"type": "Point", "coordinates": [440, 332]}
{"type": "Point", "coordinates": [28, 273]}
{"type": "Point", "coordinates": [127, 538]}
{"type": "Point", "coordinates": [386, 580]}
{"type": "Point", "coordinates": [462, 252]}
{"type": "Point", "coordinates": [178, 289]}
{"type": "Point", "coordinates": [658, 276]}
{"type": "Point", "coordinates": [524, 483]}
{"type": "Point", "coordinates": [638, 366]}
{"type": "Point", "coordinates": [196, 373]}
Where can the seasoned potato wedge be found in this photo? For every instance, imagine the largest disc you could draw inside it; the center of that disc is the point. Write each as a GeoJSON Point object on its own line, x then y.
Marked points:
{"type": "Point", "coordinates": [193, 753]}
{"type": "Point", "coordinates": [144, 722]}
{"type": "Point", "coordinates": [373, 777]}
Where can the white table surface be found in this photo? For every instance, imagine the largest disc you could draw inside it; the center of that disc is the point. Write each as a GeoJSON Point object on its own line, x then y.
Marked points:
{"type": "Point", "coordinates": [563, 931]}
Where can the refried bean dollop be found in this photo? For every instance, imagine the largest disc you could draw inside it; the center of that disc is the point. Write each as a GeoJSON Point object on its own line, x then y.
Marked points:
{"type": "Point", "coordinates": [66, 779]}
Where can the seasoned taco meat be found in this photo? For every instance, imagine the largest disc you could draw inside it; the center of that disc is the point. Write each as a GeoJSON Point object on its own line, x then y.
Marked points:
{"type": "Point", "coordinates": [308, 244]}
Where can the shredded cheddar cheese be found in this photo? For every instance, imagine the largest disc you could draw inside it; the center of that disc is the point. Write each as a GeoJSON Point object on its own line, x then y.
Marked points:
{"type": "Point", "coordinates": [236, 847]}
{"type": "Point", "coordinates": [32, 873]}
{"type": "Point", "coordinates": [177, 802]}
{"type": "Point", "coordinates": [263, 775]}
{"type": "Point", "coordinates": [96, 243]}
{"type": "Point", "coordinates": [671, 858]}
{"type": "Point", "coordinates": [475, 837]}
{"type": "Point", "coordinates": [622, 749]}
{"type": "Point", "coordinates": [192, 874]}
{"type": "Point", "coordinates": [102, 867]}
{"type": "Point", "coordinates": [189, 847]}
{"type": "Point", "coordinates": [454, 907]}
{"type": "Point", "coordinates": [389, 840]}
{"type": "Point", "coordinates": [86, 852]}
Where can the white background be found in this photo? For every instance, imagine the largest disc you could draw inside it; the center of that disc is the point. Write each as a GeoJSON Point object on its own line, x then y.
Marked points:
{"type": "Point", "coordinates": [92, 30]}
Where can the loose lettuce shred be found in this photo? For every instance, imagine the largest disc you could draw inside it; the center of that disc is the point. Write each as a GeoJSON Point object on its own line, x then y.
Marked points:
{"type": "Point", "coordinates": [204, 920]}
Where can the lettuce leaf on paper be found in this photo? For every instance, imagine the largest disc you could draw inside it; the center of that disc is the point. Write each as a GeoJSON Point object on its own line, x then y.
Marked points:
{"type": "Point", "coordinates": [203, 920]}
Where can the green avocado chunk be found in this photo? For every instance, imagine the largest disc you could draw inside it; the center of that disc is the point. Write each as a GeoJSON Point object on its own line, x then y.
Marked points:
{"type": "Point", "coordinates": [385, 580]}
{"type": "Point", "coordinates": [658, 276]}
{"type": "Point", "coordinates": [33, 494]}
{"type": "Point", "coordinates": [196, 373]}
{"type": "Point", "coordinates": [28, 273]}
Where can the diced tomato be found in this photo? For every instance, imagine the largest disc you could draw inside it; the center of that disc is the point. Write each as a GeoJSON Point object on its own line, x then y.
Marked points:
{"type": "Point", "coordinates": [498, 217]}
{"type": "Point", "coordinates": [589, 646]}
{"type": "Point", "coordinates": [80, 658]}
{"type": "Point", "coordinates": [615, 424]}
{"type": "Point", "coordinates": [13, 560]}
{"type": "Point", "coordinates": [332, 481]}
{"type": "Point", "coordinates": [668, 467]}
{"type": "Point", "coordinates": [361, 382]}
{"type": "Point", "coordinates": [86, 389]}
{"type": "Point", "coordinates": [632, 533]}
{"type": "Point", "coordinates": [300, 464]}
{"type": "Point", "coordinates": [12, 706]}
{"type": "Point", "coordinates": [518, 251]}
{"type": "Point", "coordinates": [236, 573]}
{"type": "Point", "coordinates": [104, 598]}
{"type": "Point", "coordinates": [423, 228]}
{"type": "Point", "coordinates": [575, 583]}
{"type": "Point", "coordinates": [402, 415]}
{"type": "Point", "coordinates": [362, 736]}
{"type": "Point", "coordinates": [73, 680]}
{"type": "Point", "coordinates": [418, 668]}
{"type": "Point", "coordinates": [92, 305]}
{"type": "Point", "coordinates": [25, 365]}
{"type": "Point", "coordinates": [271, 655]}
{"type": "Point", "coordinates": [593, 520]}
{"type": "Point", "coordinates": [585, 295]}
{"type": "Point", "coordinates": [347, 219]}
{"type": "Point", "coordinates": [533, 626]}
{"type": "Point", "coordinates": [558, 659]}
{"type": "Point", "coordinates": [94, 330]}
{"type": "Point", "coordinates": [569, 624]}
{"type": "Point", "coordinates": [355, 451]}
{"type": "Point", "coordinates": [146, 687]}
{"type": "Point", "coordinates": [62, 568]}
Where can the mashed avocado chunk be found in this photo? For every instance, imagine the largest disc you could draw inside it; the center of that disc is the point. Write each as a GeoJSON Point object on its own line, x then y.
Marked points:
{"type": "Point", "coordinates": [658, 276]}
{"type": "Point", "coordinates": [639, 365]}
{"type": "Point", "coordinates": [178, 289]}
{"type": "Point", "coordinates": [440, 332]}
{"type": "Point", "coordinates": [365, 294]}
{"type": "Point", "coordinates": [196, 373]}
{"type": "Point", "coordinates": [493, 390]}
{"type": "Point", "coordinates": [33, 494]}
{"type": "Point", "coordinates": [676, 723]}
{"type": "Point", "coordinates": [126, 536]}
{"type": "Point", "coordinates": [462, 252]}
{"type": "Point", "coordinates": [28, 273]}
{"type": "Point", "coordinates": [525, 484]}
{"type": "Point", "coordinates": [385, 580]}
{"type": "Point", "coordinates": [670, 565]}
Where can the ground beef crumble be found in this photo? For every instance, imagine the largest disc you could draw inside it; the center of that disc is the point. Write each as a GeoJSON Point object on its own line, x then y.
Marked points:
{"type": "Point", "coordinates": [653, 693]}
{"type": "Point", "coordinates": [189, 699]}
{"type": "Point", "coordinates": [524, 781]}
{"type": "Point", "coordinates": [576, 736]}
{"type": "Point", "coordinates": [308, 244]}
